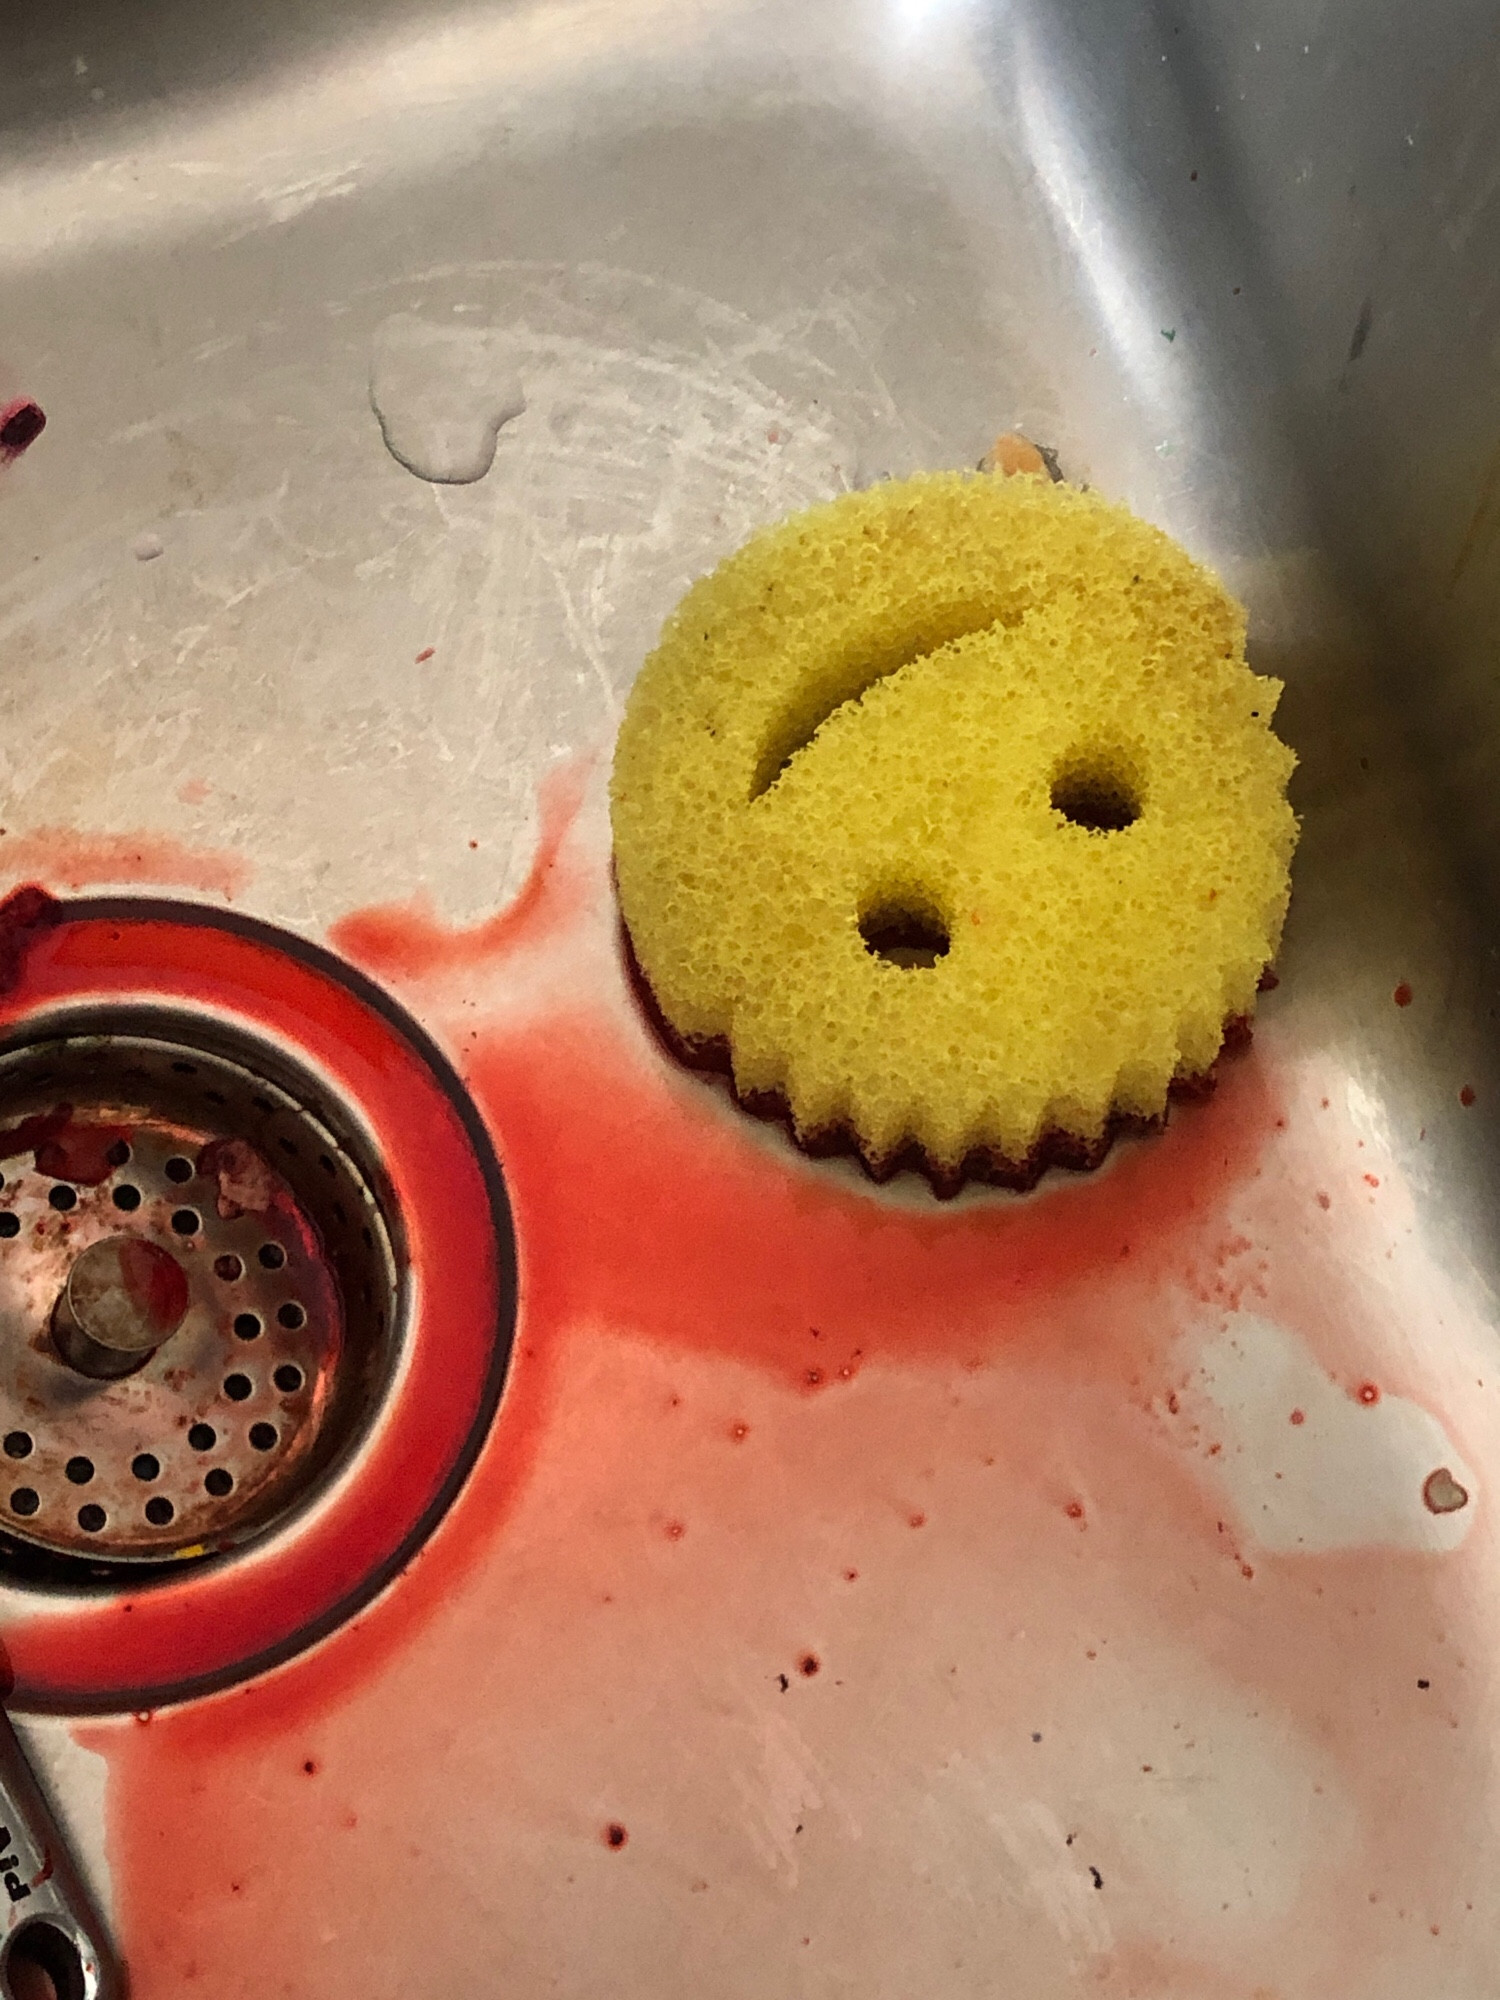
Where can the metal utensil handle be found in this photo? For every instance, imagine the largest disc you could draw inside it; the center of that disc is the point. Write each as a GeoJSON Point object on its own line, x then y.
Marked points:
{"type": "Point", "coordinates": [51, 1937]}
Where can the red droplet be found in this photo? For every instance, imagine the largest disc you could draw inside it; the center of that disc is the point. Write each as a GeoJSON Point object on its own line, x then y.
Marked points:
{"type": "Point", "coordinates": [739, 1432]}
{"type": "Point", "coordinates": [916, 1521]}
{"type": "Point", "coordinates": [1368, 1393]}
{"type": "Point", "coordinates": [1297, 1417]}
{"type": "Point", "coordinates": [21, 423]}
{"type": "Point", "coordinates": [425, 654]}
{"type": "Point", "coordinates": [1372, 1180]}
{"type": "Point", "coordinates": [310, 1767]}
{"type": "Point", "coordinates": [675, 1530]}
{"type": "Point", "coordinates": [1323, 1200]}
{"type": "Point", "coordinates": [1074, 1510]}
{"type": "Point", "coordinates": [809, 1664]}
{"type": "Point", "coordinates": [615, 1835]}
{"type": "Point", "coordinates": [1466, 1095]}
{"type": "Point", "coordinates": [1402, 995]}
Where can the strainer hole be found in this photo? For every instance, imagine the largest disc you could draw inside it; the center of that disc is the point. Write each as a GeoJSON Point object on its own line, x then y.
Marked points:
{"type": "Point", "coordinates": [18, 1444]}
{"type": "Point", "coordinates": [92, 1518]}
{"type": "Point", "coordinates": [228, 1267]}
{"type": "Point", "coordinates": [237, 1387]}
{"type": "Point", "coordinates": [271, 1256]}
{"type": "Point", "coordinates": [218, 1482]}
{"type": "Point", "coordinates": [287, 1145]}
{"type": "Point", "coordinates": [291, 1315]}
{"type": "Point", "coordinates": [185, 1068]}
{"type": "Point", "coordinates": [62, 1197]}
{"type": "Point", "coordinates": [118, 1153]}
{"type": "Point", "coordinates": [145, 1465]}
{"type": "Point", "coordinates": [326, 1164]}
{"type": "Point", "coordinates": [288, 1378]}
{"type": "Point", "coordinates": [203, 1437]}
{"type": "Point", "coordinates": [247, 1326]}
{"type": "Point", "coordinates": [10, 1225]}
{"type": "Point", "coordinates": [159, 1510]}
{"type": "Point", "coordinates": [263, 1104]}
{"type": "Point", "coordinates": [186, 1221]}
{"type": "Point", "coordinates": [263, 1436]}
{"type": "Point", "coordinates": [178, 1169]}
{"type": "Point", "coordinates": [127, 1197]}
{"type": "Point", "coordinates": [216, 1097]}
{"type": "Point", "coordinates": [79, 1470]}
{"type": "Point", "coordinates": [25, 1500]}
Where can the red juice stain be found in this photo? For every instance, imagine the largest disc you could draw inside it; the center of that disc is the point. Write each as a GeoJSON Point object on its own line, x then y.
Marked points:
{"type": "Point", "coordinates": [1324, 1201]}
{"type": "Point", "coordinates": [615, 1835]}
{"type": "Point", "coordinates": [1402, 995]}
{"type": "Point", "coordinates": [156, 1283]}
{"type": "Point", "coordinates": [1372, 1180]}
{"type": "Point", "coordinates": [1297, 1417]}
{"type": "Point", "coordinates": [1368, 1392]}
{"type": "Point", "coordinates": [1466, 1095]}
{"type": "Point", "coordinates": [808, 1665]}
{"type": "Point", "coordinates": [71, 860]}
{"type": "Point", "coordinates": [675, 1530]}
{"type": "Point", "coordinates": [646, 1204]}
{"type": "Point", "coordinates": [425, 655]}
{"type": "Point", "coordinates": [1074, 1510]}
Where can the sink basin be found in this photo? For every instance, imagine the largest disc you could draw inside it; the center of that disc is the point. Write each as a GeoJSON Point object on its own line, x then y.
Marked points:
{"type": "Point", "coordinates": [1081, 1593]}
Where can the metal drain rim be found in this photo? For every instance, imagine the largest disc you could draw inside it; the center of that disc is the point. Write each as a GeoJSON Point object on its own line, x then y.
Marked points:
{"type": "Point", "coordinates": [238, 1614]}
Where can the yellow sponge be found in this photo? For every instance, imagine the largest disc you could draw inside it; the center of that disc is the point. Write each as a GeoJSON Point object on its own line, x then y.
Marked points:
{"type": "Point", "coordinates": [950, 814]}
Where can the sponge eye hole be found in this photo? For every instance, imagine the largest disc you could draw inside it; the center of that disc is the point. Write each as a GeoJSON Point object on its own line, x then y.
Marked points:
{"type": "Point", "coordinates": [905, 931]}
{"type": "Point", "coordinates": [1098, 791]}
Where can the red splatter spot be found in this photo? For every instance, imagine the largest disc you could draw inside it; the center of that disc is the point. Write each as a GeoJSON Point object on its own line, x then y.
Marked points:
{"type": "Point", "coordinates": [425, 654]}
{"type": "Point", "coordinates": [851, 1576]}
{"type": "Point", "coordinates": [310, 1767]}
{"type": "Point", "coordinates": [1297, 1417]}
{"type": "Point", "coordinates": [24, 915]}
{"type": "Point", "coordinates": [1442, 1494]}
{"type": "Point", "coordinates": [1323, 1200]}
{"type": "Point", "coordinates": [813, 1377]}
{"type": "Point", "coordinates": [1466, 1095]}
{"type": "Point", "coordinates": [1372, 1180]}
{"type": "Point", "coordinates": [1074, 1510]}
{"type": "Point", "coordinates": [1172, 1403]}
{"type": "Point", "coordinates": [21, 424]}
{"type": "Point", "coordinates": [739, 1432]}
{"type": "Point", "coordinates": [194, 792]}
{"type": "Point", "coordinates": [916, 1520]}
{"type": "Point", "coordinates": [615, 1835]}
{"type": "Point", "coordinates": [675, 1530]}
{"type": "Point", "coordinates": [1402, 995]}
{"type": "Point", "coordinates": [1246, 1570]}
{"type": "Point", "coordinates": [1368, 1392]}
{"type": "Point", "coordinates": [809, 1664]}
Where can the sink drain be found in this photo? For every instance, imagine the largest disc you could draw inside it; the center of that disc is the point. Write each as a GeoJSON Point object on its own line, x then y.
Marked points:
{"type": "Point", "coordinates": [257, 1295]}
{"type": "Point", "coordinates": [198, 1288]}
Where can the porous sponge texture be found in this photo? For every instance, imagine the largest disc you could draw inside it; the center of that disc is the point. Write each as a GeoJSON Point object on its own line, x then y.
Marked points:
{"type": "Point", "coordinates": [869, 710]}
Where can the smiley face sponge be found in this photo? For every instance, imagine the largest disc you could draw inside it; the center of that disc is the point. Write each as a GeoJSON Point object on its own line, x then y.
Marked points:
{"type": "Point", "coordinates": [949, 816]}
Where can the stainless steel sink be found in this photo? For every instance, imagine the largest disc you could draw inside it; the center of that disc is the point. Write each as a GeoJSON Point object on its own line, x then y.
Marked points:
{"type": "Point", "coordinates": [1237, 266]}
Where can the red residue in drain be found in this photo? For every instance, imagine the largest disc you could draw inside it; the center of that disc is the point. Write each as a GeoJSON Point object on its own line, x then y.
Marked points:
{"type": "Point", "coordinates": [62, 1150]}
{"type": "Point", "coordinates": [245, 1183]}
{"type": "Point", "coordinates": [1466, 1095]}
{"type": "Point", "coordinates": [24, 914]}
{"type": "Point", "coordinates": [21, 423]}
{"type": "Point", "coordinates": [1402, 995]}
{"type": "Point", "coordinates": [45, 1872]}
{"type": "Point", "coordinates": [155, 1282]}
{"type": "Point", "coordinates": [1297, 1417]}
{"type": "Point", "coordinates": [1368, 1392]}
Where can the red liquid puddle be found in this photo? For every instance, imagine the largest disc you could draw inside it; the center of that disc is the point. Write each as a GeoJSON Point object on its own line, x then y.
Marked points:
{"type": "Point", "coordinates": [742, 1381]}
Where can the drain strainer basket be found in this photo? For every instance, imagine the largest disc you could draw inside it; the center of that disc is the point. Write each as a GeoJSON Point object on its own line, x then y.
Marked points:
{"type": "Point", "coordinates": [199, 1293]}
{"type": "Point", "coordinates": [257, 1296]}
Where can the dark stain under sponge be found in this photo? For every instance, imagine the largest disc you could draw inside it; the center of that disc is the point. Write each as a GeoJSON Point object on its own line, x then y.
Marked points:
{"type": "Point", "coordinates": [982, 1164]}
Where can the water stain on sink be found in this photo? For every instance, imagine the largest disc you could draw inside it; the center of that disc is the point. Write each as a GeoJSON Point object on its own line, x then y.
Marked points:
{"type": "Point", "coordinates": [443, 394]}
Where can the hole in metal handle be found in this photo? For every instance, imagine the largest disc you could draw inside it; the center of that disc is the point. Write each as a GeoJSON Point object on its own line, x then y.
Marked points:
{"type": "Point", "coordinates": [44, 1962]}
